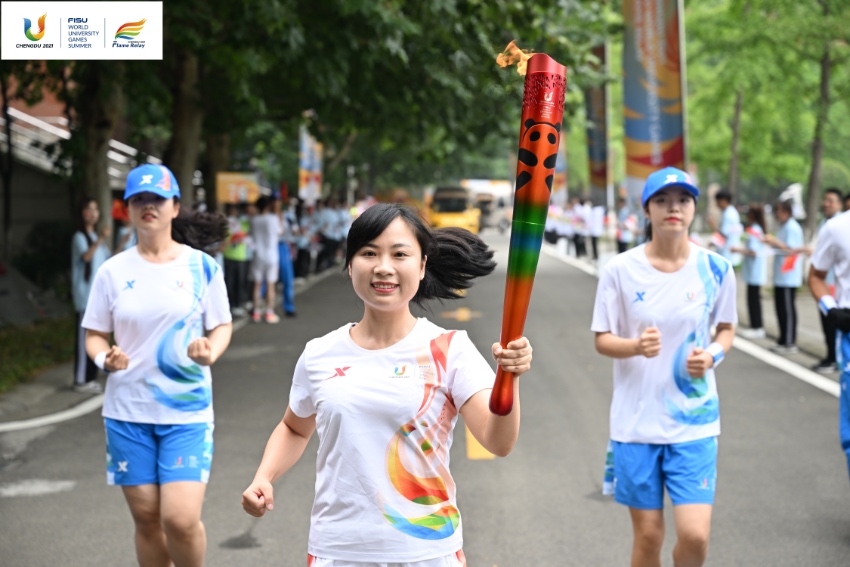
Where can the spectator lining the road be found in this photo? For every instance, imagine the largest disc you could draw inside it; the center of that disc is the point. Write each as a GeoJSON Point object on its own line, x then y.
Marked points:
{"type": "Point", "coordinates": [384, 395]}
{"type": "Point", "coordinates": [730, 227]}
{"type": "Point", "coordinates": [157, 300]}
{"type": "Point", "coordinates": [88, 253]}
{"type": "Point", "coordinates": [833, 253]}
{"type": "Point", "coordinates": [655, 305]}
{"type": "Point", "coordinates": [755, 269]}
{"type": "Point", "coordinates": [787, 275]}
{"type": "Point", "coordinates": [265, 265]}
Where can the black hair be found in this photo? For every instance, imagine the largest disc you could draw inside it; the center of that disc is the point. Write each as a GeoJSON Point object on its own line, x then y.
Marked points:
{"type": "Point", "coordinates": [81, 226]}
{"type": "Point", "coordinates": [200, 230]}
{"type": "Point", "coordinates": [785, 206]}
{"type": "Point", "coordinates": [262, 203]}
{"type": "Point", "coordinates": [756, 212]}
{"type": "Point", "coordinates": [723, 195]}
{"type": "Point", "coordinates": [835, 191]}
{"type": "Point", "coordinates": [455, 255]}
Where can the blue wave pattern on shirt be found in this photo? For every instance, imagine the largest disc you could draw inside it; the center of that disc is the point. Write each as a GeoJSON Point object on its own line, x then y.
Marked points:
{"type": "Point", "coordinates": [711, 272]}
{"type": "Point", "coordinates": [171, 357]}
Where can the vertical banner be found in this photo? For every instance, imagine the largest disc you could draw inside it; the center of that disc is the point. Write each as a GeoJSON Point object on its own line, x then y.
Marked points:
{"type": "Point", "coordinates": [596, 108]}
{"type": "Point", "coordinates": [309, 166]}
{"type": "Point", "coordinates": [652, 91]}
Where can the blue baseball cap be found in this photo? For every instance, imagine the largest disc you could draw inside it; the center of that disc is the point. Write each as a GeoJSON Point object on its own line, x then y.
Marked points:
{"type": "Point", "coordinates": [667, 177]}
{"type": "Point", "coordinates": [150, 178]}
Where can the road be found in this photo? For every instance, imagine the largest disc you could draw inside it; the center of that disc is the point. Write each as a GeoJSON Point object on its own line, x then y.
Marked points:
{"type": "Point", "coordinates": [783, 493]}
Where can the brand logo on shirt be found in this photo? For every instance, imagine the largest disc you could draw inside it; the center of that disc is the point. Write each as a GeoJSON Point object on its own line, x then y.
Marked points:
{"type": "Point", "coordinates": [691, 295]}
{"type": "Point", "coordinates": [340, 373]}
{"type": "Point", "coordinates": [181, 283]}
{"type": "Point", "coordinates": [639, 296]}
{"type": "Point", "coordinates": [130, 284]}
{"type": "Point", "coordinates": [400, 371]}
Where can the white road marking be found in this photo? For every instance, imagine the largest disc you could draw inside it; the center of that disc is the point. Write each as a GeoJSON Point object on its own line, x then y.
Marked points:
{"type": "Point", "coordinates": [35, 487]}
{"type": "Point", "coordinates": [83, 408]}
{"type": "Point", "coordinates": [809, 377]}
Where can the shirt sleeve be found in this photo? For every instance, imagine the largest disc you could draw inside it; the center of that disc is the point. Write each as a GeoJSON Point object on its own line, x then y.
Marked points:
{"type": "Point", "coordinates": [216, 306]}
{"type": "Point", "coordinates": [606, 317]}
{"type": "Point", "coordinates": [79, 246]}
{"type": "Point", "coordinates": [98, 314]}
{"type": "Point", "coordinates": [301, 393]}
{"type": "Point", "coordinates": [468, 370]}
{"type": "Point", "coordinates": [824, 256]}
{"type": "Point", "coordinates": [726, 306]}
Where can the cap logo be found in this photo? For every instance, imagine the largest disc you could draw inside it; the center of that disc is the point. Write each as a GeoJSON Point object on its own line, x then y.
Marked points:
{"type": "Point", "coordinates": [672, 178]}
{"type": "Point", "coordinates": [146, 179]}
{"type": "Point", "coordinates": [165, 182]}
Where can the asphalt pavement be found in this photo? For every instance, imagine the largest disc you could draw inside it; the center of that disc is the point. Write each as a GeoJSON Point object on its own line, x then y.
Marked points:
{"type": "Point", "coordinates": [783, 493]}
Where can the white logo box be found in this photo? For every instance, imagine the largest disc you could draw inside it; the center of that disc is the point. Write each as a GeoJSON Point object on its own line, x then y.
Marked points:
{"type": "Point", "coordinates": [81, 30]}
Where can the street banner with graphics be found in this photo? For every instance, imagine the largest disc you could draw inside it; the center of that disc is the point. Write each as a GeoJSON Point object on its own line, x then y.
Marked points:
{"type": "Point", "coordinates": [309, 167]}
{"type": "Point", "coordinates": [652, 91]}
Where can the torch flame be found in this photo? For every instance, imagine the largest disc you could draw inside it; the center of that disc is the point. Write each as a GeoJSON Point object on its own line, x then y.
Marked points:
{"type": "Point", "coordinates": [513, 54]}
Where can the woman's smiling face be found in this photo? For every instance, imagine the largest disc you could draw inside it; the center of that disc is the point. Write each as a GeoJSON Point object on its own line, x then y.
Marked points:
{"type": "Point", "coordinates": [386, 271]}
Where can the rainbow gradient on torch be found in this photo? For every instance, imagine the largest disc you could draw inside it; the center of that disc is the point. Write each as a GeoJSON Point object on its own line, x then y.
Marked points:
{"type": "Point", "coordinates": [539, 138]}
{"type": "Point", "coordinates": [130, 30]}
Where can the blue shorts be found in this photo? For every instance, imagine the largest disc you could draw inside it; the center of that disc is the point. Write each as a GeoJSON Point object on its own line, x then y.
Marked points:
{"type": "Point", "coordinates": [642, 471]}
{"type": "Point", "coordinates": [147, 453]}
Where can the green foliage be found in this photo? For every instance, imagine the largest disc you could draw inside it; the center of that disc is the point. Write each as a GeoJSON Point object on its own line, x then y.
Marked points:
{"type": "Point", "coordinates": [45, 344]}
{"type": "Point", "coordinates": [768, 50]}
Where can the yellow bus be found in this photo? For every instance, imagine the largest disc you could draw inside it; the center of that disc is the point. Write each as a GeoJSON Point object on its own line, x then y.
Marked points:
{"type": "Point", "coordinates": [454, 206]}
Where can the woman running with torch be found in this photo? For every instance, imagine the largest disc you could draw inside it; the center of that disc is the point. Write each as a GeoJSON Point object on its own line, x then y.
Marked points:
{"type": "Point", "coordinates": [383, 395]}
{"type": "Point", "coordinates": [655, 306]}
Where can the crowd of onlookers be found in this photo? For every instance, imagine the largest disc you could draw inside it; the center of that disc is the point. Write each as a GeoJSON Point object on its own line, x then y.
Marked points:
{"type": "Point", "coordinates": [274, 242]}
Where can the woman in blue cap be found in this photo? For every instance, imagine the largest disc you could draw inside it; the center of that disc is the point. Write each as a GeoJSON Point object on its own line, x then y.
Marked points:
{"type": "Point", "coordinates": [655, 306]}
{"type": "Point", "coordinates": [165, 305]}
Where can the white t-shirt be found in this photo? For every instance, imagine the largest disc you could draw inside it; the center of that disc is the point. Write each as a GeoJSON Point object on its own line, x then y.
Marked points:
{"type": "Point", "coordinates": [655, 400]}
{"type": "Point", "coordinates": [833, 251]}
{"type": "Point", "coordinates": [154, 312]}
{"type": "Point", "coordinates": [266, 231]}
{"type": "Point", "coordinates": [385, 419]}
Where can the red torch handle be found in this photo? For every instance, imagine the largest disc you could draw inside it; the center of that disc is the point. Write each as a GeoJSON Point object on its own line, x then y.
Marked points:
{"type": "Point", "coordinates": [540, 133]}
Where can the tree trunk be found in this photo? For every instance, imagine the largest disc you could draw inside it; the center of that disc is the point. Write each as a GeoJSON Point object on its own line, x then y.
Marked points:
{"type": "Point", "coordinates": [736, 135]}
{"type": "Point", "coordinates": [102, 106]}
{"type": "Point", "coordinates": [218, 159]}
{"type": "Point", "coordinates": [814, 196]}
{"type": "Point", "coordinates": [187, 119]}
{"type": "Point", "coordinates": [6, 166]}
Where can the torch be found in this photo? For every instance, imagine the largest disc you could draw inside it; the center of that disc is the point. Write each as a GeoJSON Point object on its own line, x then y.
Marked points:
{"type": "Point", "coordinates": [539, 136]}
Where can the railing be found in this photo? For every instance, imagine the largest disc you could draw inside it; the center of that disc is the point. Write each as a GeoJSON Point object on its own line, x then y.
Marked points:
{"type": "Point", "coordinates": [31, 136]}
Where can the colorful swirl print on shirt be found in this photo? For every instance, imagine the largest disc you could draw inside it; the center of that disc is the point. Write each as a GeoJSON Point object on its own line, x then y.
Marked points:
{"type": "Point", "coordinates": [698, 409]}
{"type": "Point", "coordinates": [417, 456]}
{"type": "Point", "coordinates": [189, 391]}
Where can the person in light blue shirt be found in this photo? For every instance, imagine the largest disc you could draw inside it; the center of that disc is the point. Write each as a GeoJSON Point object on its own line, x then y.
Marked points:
{"type": "Point", "coordinates": [88, 252]}
{"type": "Point", "coordinates": [787, 275]}
{"type": "Point", "coordinates": [754, 269]}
